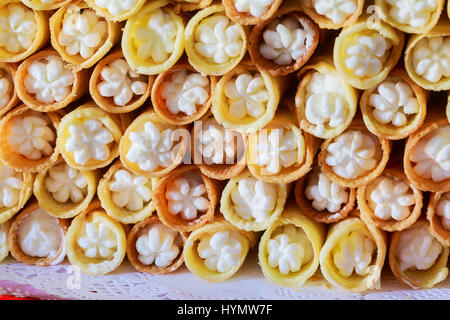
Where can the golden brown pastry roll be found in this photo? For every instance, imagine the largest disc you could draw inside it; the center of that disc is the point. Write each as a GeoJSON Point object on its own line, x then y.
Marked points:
{"type": "Point", "coordinates": [8, 93]}
{"type": "Point", "coordinates": [116, 10]}
{"type": "Point", "coordinates": [250, 12]}
{"type": "Point", "coordinates": [417, 258]}
{"type": "Point", "coordinates": [46, 4]}
{"type": "Point", "coordinates": [333, 14]}
{"type": "Point", "coordinates": [438, 214]}
{"type": "Point", "coordinates": [191, 5]}
{"type": "Point", "coordinates": [4, 243]}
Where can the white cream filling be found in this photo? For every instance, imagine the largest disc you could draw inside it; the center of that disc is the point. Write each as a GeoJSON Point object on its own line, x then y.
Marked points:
{"type": "Point", "coordinates": [417, 249]}
{"type": "Point", "coordinates": [353, 154]}
{"type": "Point", "coordinates": [83, 32]}
{"type": "Point", "coordinates": [98, 241]}
{"type": "Point", "coordinates": [218, 144]}
{"type": "Point", "coordinates": [49, 80]}
{"type": "Point", "coordinates": [151, 148]}
{"type": "Point", "coordinates": [115, 7]}
{"type": "Point", "coordinates": [17, 28]}
{"type": "Point", "coordinates": [11, 184]}
{"type": "Point", "coordinates": [443, 210]}
{"type": "Point", "coordinates": [326, 194]}
{"type": "Point", "coordinates": [255, 8]}
{"type": "Point", "coordinates": [367, 54]}
{"type": "Point", "coordinates": [221, 251]}
{"type": "Point", "coordinates": [326, 105]}
{"type": "Point", "coordinates": [289, 249]}
{"type": "Point", "coordinates": [218, 39]}
{"type": "Point", "coordinates": [415, 13]}
{"type": "Point", "coordinates": [432, 155]}
{"type": "Point", "coordinates": [247, 95]}
{"type": "Point", "coordinates": [40, 235]}
{"type": "Point", "coordinates": [4, 245]}
{"type": "Point", "coordinates": [66, 183]}
{"type": "Point", "coordinates": [254, 199]}
{"type": "Point", "coordinates": [88, 140]}
{"type": "Point", "coordinates": [431, 58]}
{"type": "Point", "coordinates": [354, 253]}
{"type": "Point", "coordinates": [121, 83]}
{"type": "Point", "coordinates": [185, 92]}
{"type": "Point", "coordinates": [129, 190]}
{"type": "Point", "coordinates": [31, 135]}
{"type": "Point", "coordinates": [6, 88]}
{"type": "Point", "coordinates": [158, 245]}
{"type": "Point", "coordinates": [335, 10]}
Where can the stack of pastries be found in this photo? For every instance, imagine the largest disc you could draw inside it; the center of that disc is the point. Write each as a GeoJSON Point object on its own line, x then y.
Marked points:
{"type": "Point", "coordinates": [314, 132]}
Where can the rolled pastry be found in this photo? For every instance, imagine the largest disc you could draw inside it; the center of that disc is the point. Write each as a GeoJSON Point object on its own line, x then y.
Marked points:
{"type": "Point", "coordinates": [28, 139]}
{"type": "Point", "coordinates": [418, 259]}
{"type": "Point", "coordinates": [438, 214]}
{"type": "Point", "coordinates": [82, 37]}
{"type": "Point", "coordinates": [8, 93]}
{"type": "Point", "coordinates": [186, 199]}
{"type": "Point", "coordinates": [333, 14]}
{"type": "Point", "coordinates": [325, 103]}
{"type": "Point", "coordinates": [182, 95]}
{"type": "Point", "coordinates": [45, 83]}
{"type": "Point", "coordinates": [354, 158]}
{"type": "Point", "coordinates": [116, 87]}
{"type": "Point", "coordinates": [23, 37]}
{"type": "Point", "coordinates": [214, 43]}
{"type": "Point", "coordinates": [153, 39]}
{"type": "Point", "coordinates": [151, 147]}
{"type": "Point", "coordinates": [192, 5]}
{"type": "Point", "coordinates": [413, 17]}
{"type": "Point", "coordinates": [154, 248]}
{"type": "Point", "coordinates": [322, 199]}
{"type": "Point", "coordinates": [284, 43]}
{"type": "Point", "coordinates": [427, 58]}
{"type": "Point", "coordinates": [251, 12]}
{"type": "Point", "coordinates": [251, 204]}
{"type": "Point", "coordinates": [289, 250]}
{"type": "Point", "coordinates": [96, 243]}
{"type": "Point", "coordinates": [65, 192]}
{"type": "Point", "coordinates": [4, 243]}
{"type": "Point", "coordinates": [46, 4]}
{"type": "Point", "coordinates": [353, 255]}
{"type": "Point", "coordinates": [37, 238]}
{"type": "Point", "coordinates": [126, 196]}
{"type": "Point", "coordinates": [89, 137]}
{"type": "Point", "coordinates": [216, 251]}
{"type": "Point", "coordinates": [116, 10]}
{"type": "Point", "coordinates": [364, 53]}
{"type": "Point", "coordinates": [395, 108]}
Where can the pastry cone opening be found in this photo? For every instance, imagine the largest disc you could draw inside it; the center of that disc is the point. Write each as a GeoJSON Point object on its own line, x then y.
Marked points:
{"type": "Point", "coordinates": [116, 10]}
{"type": "Point", "coordinates": [4, 243]}
{"type": "Point", "coordinates": [333, 14]}
{"type": "Point", "coordinates": [251, 12]}
{"type": "Point", "coordinates": [191, 5]}
{"type": "Point", "coordinates": [8, 93]}
{"type": "Point", "coordinates": [448, 108]}
{"type": "Point", "coordinates": [46, 5]}
{"type": "Point", "coordinates": [438, 214]}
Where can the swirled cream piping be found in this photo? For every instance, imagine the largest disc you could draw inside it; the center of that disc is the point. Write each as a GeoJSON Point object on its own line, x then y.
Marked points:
{"type": "Point", "coordinates": [325, 106]}
{"type": "Point", "coordinates": [325, 194]}
{"type": "Point", "coordinates": [129, 190]}
{"type": "Point", "coordinates": [158, 245]}
{"type": "Point", "coordinates": [353, 253]}
{"type": "Point", "coordinates": [431, 58]}
{"type": "Point", "coordinates": [218, 39]}
{"type": "Point", "coordinates": [255, 8]}
{"type": "Point", "coordinates": [4, 248]}
{"type": "Point", "coordinates": [66, 183]}
{"type": "Point", "coordinates": [415, 13]}
{"type": "Point", "coordinates": [185, 92]}
{"type": "Point", "coordinates": [121, 83]}
{"type": "Point", "coordinates": [417, 249]}
{"type": "Point", "coordinates": [247, 95]}
{"type": "Point", "coordinates": [83, 32]}
{"type": "Point", "coordinates": [353, 154]}
{"type": "Point", "coordinates": [432, 155]}
{"type": "Point", "coordinates": [31, 135]}
{"type": "Point", "coordinates": [221, 251]}
{"type": "Point", "coordinates": [11, 184]}
{"type": "Point", "coordinates": [89, 140]}
{"type": "Point", "coordinates": [218, 143]}
{"type": "Point", "coordinates": [49, 80]}
{"type": "Point", "coordinates": [443, 210]}
{"type": "Point", "coordinates": [115, 7]}
{"type": "Point", "coordinates": [289, 249]}
{"type": "Point", "coordinates": [335, 10]}
{"type": "Point", "coordinates": [367, 54]}
{"type": "Point", "coordinates": [6, 88]}
{"type": "Point", "coordinates": [17, 28]}
{"type": "Point", "coordinates": [98, 241]}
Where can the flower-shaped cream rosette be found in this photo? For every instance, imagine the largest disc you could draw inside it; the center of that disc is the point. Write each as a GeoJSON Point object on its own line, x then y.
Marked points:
{"type": "Point", "coordinates": [46, 5]}
{"type": "Point", "coordinates": [154, 248]}
{"type": "Point", "coordinates": [364, 53]}
{"type": "Point", "coordinates": [28, 139]}
{"type": "Point", "coordinates": [82, 37]}
{"type": "Point", "coordinates": [438, 214]}
{"type": "Point", "coordinates": [417, 258]}
{"type": "Point", "coordinates": [4, 243]}
{"type": "Point", "coordinates": [116, 87]}
{"type": "Point", "coordinates": [251, 204]}
{"type": "Point", "coordinates": [289, 250]}
{"type": "Point", "coordinates": [126, 196]}
{"type": "Point", "coordinates": [427, 58]}
{"type": "Point", "coordinates": [116, 10]}
{"type": "Point", "coordinates": [251, 12]}
{"type": "Point", "coordinates": [153, 39]}
{"type": "Point", "coordinates": [89, 137]}
{"type": "Point", "coordinates": [191, 5]}
{"type": "Point", "coordinates": [23, 31]}
{"type": "Point", "coordinates": [181, 95]}
{"type": "Point", "coordinates": [216, 251]}
{"type": "Point", "coordinates": [214, 43]}
{"type": "Point", "coordinates": [8, 93]}
{"type": "Point", "coordinates": [325, 103]}
{"type": "Point", "coordinates": [353, 255]}
{"type": "Point", "coordinates": [37, 238]}
{"type": "Point", "coordinates": [333, 14]}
